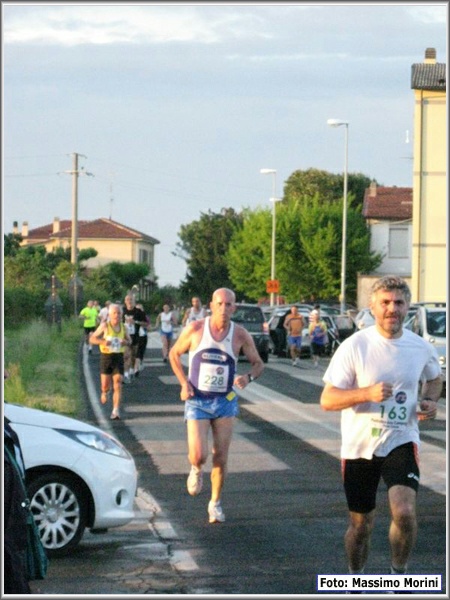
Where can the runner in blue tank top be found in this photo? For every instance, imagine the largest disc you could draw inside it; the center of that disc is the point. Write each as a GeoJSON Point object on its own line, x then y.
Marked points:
{"type": "Point", "coordinates": [208, 391]}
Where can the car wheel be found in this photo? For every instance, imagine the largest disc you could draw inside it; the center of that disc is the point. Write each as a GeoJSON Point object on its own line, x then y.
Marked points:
{"type": "Point", "coordinates": [59, 508]}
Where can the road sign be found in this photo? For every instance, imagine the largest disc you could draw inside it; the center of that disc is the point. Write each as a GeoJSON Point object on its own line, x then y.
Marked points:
{"type": "Point", "coordinates": [272, 286]}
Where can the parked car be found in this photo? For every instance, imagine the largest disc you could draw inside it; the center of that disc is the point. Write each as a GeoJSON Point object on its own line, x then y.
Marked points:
{"type": "Point", "coordinates": [345, 326]}
{"type": "Point", "coordinates": [364, 318]}
{"type": "Point", "coordinates": [252, 318]}
{"type": "Point", "coordinates": [430, 322]}
{"type": "Point", "coordinates": [77, 476]}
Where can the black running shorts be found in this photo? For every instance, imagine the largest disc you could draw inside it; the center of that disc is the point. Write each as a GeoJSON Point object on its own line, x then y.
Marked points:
{"type": "Point", "coordinates": [111, 364]}
{"type": "Point", "coordinates": [362, 476]}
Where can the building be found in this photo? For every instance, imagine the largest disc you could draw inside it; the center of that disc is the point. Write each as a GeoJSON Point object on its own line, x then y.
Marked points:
{"type": "Point", "coordinates": [388, 214]}
{"type": "Point", "coordinates": [429, 243]}
{"type": "Point", "coordinates": [113, 241]}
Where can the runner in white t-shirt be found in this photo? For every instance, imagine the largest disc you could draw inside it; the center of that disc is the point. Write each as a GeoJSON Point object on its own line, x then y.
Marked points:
{"type": "Point", "coordinates": [373, 379]}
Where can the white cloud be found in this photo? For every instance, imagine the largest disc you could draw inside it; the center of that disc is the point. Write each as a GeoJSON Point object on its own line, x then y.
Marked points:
{"type": "Point", "coordinates": [430, 14]}
{"type": "Point", "coordinates": [108, 24]}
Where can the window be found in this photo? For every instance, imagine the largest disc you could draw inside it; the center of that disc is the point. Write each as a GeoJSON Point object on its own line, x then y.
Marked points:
{"type": "Point", "coordinates": [145, 257]}
{"type": "Point", "coordinates": [398, 242]}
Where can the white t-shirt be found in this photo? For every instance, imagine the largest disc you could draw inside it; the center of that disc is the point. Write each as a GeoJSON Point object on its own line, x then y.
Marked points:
{"type": "Point", "coordinates": [366, 358]}
{"type": "Point", "coordinates": [166, 322]}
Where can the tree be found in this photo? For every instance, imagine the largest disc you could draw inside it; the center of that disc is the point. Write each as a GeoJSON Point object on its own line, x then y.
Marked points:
{"type": "Point", "coordinates": [308, 248]}
{"type": "Point", "coordinates": [205, 244]}
{"type": "Point", "coordinates": [329, 186]}
{"type": "Point", "coordinates": [28, 269]}
{"type": "Point", "coordinates": [11, 243]}
{"type": "Point", "coordinates": [249, 254]}
{"type": "Point", "coordinates": [114, 280]}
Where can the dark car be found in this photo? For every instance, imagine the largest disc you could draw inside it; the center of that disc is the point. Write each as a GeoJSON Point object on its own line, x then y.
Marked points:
{"type": "Point", "coordinates": [252, 318]}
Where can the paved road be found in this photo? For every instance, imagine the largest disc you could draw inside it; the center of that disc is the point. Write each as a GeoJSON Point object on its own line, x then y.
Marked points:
{"type": "Point", "coordinates": [283, 498]}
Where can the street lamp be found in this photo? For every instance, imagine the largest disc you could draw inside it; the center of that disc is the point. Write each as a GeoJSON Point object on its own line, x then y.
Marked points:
{"type": "Point", "coordinates": [274, 199]}
{"type": "Point", "coordinates": [338, 123]}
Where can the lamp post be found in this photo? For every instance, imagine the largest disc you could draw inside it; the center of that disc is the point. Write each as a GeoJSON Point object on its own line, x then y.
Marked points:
{"type": "Point", "coordinates": [338, 123]}
{"type": "Point", "coordinates": [274, 199]}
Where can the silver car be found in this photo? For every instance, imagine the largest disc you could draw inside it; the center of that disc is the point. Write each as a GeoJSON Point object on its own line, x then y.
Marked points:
{"type": "Point", "coordinates": [430, 322]}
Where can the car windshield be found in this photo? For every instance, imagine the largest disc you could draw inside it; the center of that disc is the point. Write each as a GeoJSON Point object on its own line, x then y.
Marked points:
{"type": "Point", "coordinates": [248, 314]}
{"type": "Point", "coordinates": [436, 323]}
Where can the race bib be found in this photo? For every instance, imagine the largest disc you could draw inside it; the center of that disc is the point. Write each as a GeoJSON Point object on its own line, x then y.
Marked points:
{"type": "Point", "coordinates": [115, 344]}
{"type": "Point", "coordinates": [213, 378]}
{"type": "Point", "coordinates": [393, 414]}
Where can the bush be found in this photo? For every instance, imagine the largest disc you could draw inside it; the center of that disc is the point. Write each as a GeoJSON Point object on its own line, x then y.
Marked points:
{"type": "Point", "coordinates": [22, 305]}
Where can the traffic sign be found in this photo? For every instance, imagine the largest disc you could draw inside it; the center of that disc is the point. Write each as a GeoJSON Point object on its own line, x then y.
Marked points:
{"type": "Point", "coordinates": [272, 286]}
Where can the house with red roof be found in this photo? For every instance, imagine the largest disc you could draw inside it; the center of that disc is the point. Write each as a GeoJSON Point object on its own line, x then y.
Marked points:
{"type": "Point", "coordinates": [113, 241]}
{"type": "Point", "coordinates": [388, 213]}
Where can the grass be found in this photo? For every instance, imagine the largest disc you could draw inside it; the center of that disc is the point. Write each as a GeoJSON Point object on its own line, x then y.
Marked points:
{"type": "Point", "coordinates": [43, 366]}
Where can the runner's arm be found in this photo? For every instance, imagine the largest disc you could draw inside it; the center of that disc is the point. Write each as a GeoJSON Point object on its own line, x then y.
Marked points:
{"type": "Point", "coordinates": [334, 398]}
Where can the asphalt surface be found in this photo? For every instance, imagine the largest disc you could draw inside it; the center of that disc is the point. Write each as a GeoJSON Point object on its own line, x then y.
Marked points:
{"type": "Point", "coordinates": [283, 498]}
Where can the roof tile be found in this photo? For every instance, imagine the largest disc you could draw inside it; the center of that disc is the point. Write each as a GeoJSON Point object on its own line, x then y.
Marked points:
{"type": "Point", "coordinates": [387, 203]}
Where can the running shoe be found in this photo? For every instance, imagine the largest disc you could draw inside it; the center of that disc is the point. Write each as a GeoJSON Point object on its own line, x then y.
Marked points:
{"type": "Point", "coordinates": [195, 482]}
{"type": "Point", "coordinates": [115, 415]}
{"type": "Point", "coordinates": [215, 512]}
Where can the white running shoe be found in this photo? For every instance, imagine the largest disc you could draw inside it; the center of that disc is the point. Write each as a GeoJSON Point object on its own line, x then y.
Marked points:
{"type": "Point", "coordinates": [195, 481]}
{"type": "Point", "coordinates": [215, 512]}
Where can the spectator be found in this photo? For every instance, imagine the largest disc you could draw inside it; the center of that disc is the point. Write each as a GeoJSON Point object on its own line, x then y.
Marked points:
{"type": "Point", "coordinates": [15, 579]}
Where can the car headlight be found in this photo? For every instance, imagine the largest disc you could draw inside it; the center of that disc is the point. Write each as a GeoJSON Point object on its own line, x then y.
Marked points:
{"type": "Point", "coordinates": [97, 440]}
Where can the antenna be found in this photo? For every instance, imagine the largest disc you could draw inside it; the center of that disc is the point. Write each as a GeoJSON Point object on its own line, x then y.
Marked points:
{"type": "Point", "coordinates": [111, 198]}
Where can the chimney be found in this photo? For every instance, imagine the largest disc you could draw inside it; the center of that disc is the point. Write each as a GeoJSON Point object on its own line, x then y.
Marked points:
{"type": "Point", "coordinates": [15, 228]}
{"type": "Point", "coordinates": [373, 189]}
{"type": "Point", "coordinates": [430, 56]}
{"type": "Point", "coordinates": [56, 225]}
{"type": "Point", "coordinates": [25, 229]}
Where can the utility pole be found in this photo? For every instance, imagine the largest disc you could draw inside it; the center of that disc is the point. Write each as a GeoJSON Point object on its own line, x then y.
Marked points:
{"type": "Point", "coordinates": [75, 174]}
{"type": "Point", "coordinates": [74, 250]}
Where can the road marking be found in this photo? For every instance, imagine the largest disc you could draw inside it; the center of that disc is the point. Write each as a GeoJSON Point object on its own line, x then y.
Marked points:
{"type": "Point", "coordinates": [308, 422]}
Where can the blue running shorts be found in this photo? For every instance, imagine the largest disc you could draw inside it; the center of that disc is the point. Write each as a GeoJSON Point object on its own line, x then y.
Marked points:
{"type": "Point", "coordinates": [215, 408]}
{"type": "Point", "coordinates": [295, 340]}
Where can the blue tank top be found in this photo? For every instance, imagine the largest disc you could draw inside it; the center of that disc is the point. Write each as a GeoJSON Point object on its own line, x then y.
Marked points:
{"type": "Point", "coordinates": [212, 365]}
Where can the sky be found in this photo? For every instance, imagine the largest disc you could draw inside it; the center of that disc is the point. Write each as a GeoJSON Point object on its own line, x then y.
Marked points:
{"type": "Point", "coordinates": [175, 108]}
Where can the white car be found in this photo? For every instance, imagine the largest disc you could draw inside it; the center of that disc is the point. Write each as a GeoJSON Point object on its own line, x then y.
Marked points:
{"type": "Point", "coordinates": [430, 322]}
{"type": "Point", "coordinates": [364, 318]}
{"type": "Point", "coordinates": [78, 476]}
